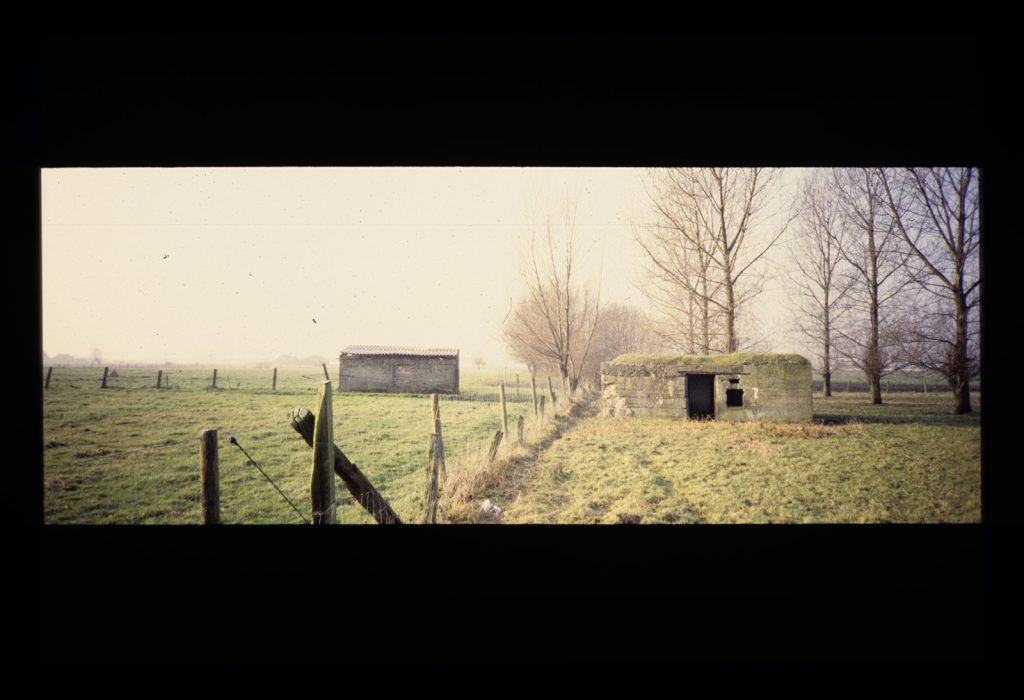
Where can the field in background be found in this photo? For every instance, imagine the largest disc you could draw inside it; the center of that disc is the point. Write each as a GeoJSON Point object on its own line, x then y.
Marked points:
{"type": "Point", "coordinates": [906, 461]}
{"type": "Point", "coordinates": [129, 453]}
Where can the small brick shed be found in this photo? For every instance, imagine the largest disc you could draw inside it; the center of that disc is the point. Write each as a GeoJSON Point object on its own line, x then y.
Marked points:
{"type": "Point", "coordinates": [737, 386]}
{"type": "Point", "coordinates": [389, 368]}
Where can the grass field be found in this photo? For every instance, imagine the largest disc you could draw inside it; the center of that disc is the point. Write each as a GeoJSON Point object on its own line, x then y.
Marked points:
{"type": "Point", "coordinates": [129, 454]}
{"type": "Point", "coordinates": [907, 461]}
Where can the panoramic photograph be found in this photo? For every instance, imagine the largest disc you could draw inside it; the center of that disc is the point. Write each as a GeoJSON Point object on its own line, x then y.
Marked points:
{"type": "Point", "coordinates": [510, 345]}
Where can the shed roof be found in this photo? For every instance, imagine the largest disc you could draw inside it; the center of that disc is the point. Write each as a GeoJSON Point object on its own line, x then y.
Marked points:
{"type": "Point", "coordinates": [399, 350]}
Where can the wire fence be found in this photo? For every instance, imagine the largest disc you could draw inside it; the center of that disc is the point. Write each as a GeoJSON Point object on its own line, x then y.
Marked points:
{"type": "Point", "coordinates": [89, 479]}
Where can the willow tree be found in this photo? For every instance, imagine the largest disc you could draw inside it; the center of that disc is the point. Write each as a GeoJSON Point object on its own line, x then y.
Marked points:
{"type": "Point", "coordinates": [557, 317]}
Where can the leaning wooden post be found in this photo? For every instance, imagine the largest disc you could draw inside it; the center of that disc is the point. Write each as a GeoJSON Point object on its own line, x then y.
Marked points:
{"type": "Point", "coordinates": [214, 378]}
{"type": "Point", "coordinates": [273, 387]}
{"type": "Point", "coordinates": [104, 384]}
{"type": "Point", "coordinates": [504, 410]}
{"type": "Point", "coordinates": [326, 376]}
{"type": "Point", "coordinates": [209, 479]}
{"type": "Point", "coordinates": [159, 377]}
{"type": "Point", "coordinates": [519, 428]}
{"type": "Point", "coordinates": [48, 373]}
{"type": "Point", "coordinates": [533, 387]}
{"type": "Point", "coordinates": [322, 479]}
{"type": "Point", "coordinates": [551, 392]}
{"type": "Point", "coordinates": [493, 452]}
{"type": "Point", "coordinates": [542, 409]}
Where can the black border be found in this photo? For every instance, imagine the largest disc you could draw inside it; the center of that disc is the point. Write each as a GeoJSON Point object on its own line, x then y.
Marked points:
{"type": "Point", "coordinates": [147, 594]}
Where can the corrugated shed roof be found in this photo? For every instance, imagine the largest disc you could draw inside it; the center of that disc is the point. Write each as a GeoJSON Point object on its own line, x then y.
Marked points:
{"type": "Point", "coordinates": [399, 350]}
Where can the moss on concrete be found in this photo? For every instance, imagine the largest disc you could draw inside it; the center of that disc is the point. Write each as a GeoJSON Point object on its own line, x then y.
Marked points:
{"type": "Point", "coordinates": [733, 358]}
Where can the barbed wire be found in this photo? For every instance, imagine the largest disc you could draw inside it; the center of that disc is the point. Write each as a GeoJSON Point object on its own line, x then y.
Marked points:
{"type": "Point", "coordinates": [265, 476]}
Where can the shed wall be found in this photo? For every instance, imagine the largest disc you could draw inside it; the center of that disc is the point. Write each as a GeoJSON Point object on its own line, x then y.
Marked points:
{"type": "Point", "coordinates": [399, 374]}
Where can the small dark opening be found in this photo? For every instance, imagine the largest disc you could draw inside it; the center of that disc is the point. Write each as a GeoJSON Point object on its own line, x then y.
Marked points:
{"type": "Point", "coordinates": [733, 395]}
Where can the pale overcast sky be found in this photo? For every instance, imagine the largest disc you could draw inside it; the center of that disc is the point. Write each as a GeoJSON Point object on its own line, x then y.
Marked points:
{"type": "Point", "coordinates": [233, 264]}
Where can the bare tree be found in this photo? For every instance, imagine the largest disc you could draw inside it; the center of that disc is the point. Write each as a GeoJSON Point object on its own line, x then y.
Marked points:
{"type": "Point", "coordinates": [559, 315]}
{"type": "Point", "coordinates": [702, 251]}
{"type": "Point", "coordinates": [478, 360]}
{"type": "Point", "coordinates": [622, 329]}
{"type": "Point", "coordinates": [873, 339]}
{"type": "Point", "coordinates": [819, 290]}
{"type": "Point", "coordinates": [97, 357]}
{"type": "Point", "coordinates": [936, 213]}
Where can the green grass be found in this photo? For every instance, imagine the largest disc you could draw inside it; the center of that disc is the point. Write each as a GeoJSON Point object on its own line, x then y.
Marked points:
{"type": "Point", "coordinates": [907, 461]}
{"type": "Point", "coordinates": [129, 453]}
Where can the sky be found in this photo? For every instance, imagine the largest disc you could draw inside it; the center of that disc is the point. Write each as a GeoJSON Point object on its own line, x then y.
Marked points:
{"type": "Point", "coordinates": [232, 265]}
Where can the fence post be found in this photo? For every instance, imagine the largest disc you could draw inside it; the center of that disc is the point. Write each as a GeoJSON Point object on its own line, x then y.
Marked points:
{"type": "Point", "coordinates": [493, 452]}
{"type": "Point", "coordinates": [430, 508]}
{"type": "Point", "coordinates": [48, 373]}
{"type": "Point", "coordinates": [214, 378]}
{"type": "Point", "coordinates": [533, 388]}
{"type": "Point", "coordinates": [209, 479]}
{"type": "Point", "coordinates": [273, 387]}
{"type": "Point", "coordinates": [504, 411]}
{"type": "Point", "coordinates": [435, 407]}
{"type": "Point", "coordinates": [519, 428]}
{"type": "Point", "coordinates": [322, 480]}
{"type": "Point", "coordinates": [542, 409]}
{"type": "Point", "coordinates": [326, 376]}
{"type": "Point", "coordinates": [159, 377]}
{"type": "Point", "coordinates": [104, 384]}
{"type": "Point", "coordinates": [551, 391]}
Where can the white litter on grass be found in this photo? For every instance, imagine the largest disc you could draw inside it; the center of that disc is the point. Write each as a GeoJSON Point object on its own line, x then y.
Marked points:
{"type": "Point", "coordinates": [489, 507]}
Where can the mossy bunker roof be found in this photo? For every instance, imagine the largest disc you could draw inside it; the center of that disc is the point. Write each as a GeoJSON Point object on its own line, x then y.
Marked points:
{"type": "Point", "coordinates": [734, 362]}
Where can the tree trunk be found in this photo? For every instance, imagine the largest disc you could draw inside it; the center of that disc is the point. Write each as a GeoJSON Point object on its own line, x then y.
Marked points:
{"type": "Point", "coordinates": [960, 379]}
{"type": "Point", "coordinates": [828, 383]}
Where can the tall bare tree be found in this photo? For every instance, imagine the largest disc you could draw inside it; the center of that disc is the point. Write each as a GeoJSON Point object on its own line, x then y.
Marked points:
{"type": "Point", "coordinates": [872, 340]}
{"type": "Point", "coordinates": [818, 285]}
{"type": "Point", "coordinates": [703, 249]}
{"type": "Point", "coordinates": [559, 314]}
{"type": "Point", "coordinates": [936, 213]}
{"type": "Point", "coordinates": [622, 329]}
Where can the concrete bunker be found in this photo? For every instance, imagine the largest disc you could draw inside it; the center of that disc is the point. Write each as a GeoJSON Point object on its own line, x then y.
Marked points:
{"type": "Point", "coordinates": [388, 368]}
{"type": "Point", "coordinates": [737, 386]}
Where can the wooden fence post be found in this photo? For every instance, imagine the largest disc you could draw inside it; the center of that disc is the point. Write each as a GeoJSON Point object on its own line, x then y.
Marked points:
{"type": "Point", "coordinates": [159, 377]}
{"type": "Point", "coordinates": [551, 391]}
{"type": "Point", "coordinates": [533, 388]}
{"type": "Point", "coordinates": [48, 373]}
{"type": "Point", "coordinates": [326, 376]}
{"type": "Point", "coordinates": [214, 378]}
{"type": "Point", "coordinates": [322, 479]}
{"type": "Point", "coordinates": [430, 508]}
{"type": "Point", "coordinates": [493, 452]}
{"type": "Point", "coordinates": [519, 428]}
{"type": "Point", "coordinates": [435, 407]}
{"type": "Point", "coordinates": [209, 479]}
{"type": "Point", "coordinates": [542, 409]}
{"type": "Point", "coordinates": [273, 387]}
{"type": "Point", "coordinates": [104, 384]}
{"type": "Point", "coordinates": [504, 411]}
